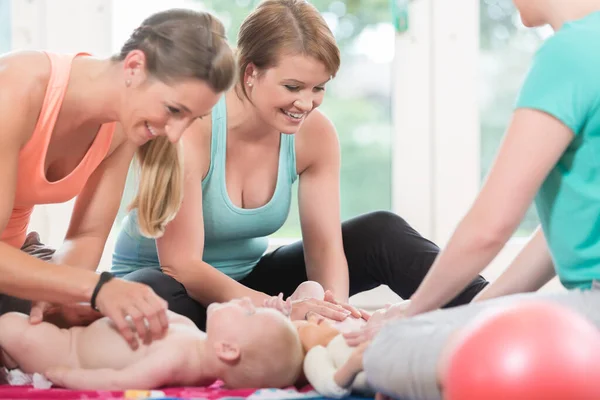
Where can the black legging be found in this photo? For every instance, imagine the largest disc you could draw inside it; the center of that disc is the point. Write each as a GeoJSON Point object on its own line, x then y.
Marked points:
{"type": "Point", "coordinates": [381, 249]}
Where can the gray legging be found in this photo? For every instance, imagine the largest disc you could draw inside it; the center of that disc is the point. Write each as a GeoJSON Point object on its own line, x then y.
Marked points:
{"type": "Point", "coordinates": [402, 360]}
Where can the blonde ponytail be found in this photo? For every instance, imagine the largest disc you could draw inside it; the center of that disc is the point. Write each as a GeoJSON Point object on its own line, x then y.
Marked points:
{"type": "Point", "coordinates": [160, 190]}
{"type": "Point", "coordinates": [177, 44]}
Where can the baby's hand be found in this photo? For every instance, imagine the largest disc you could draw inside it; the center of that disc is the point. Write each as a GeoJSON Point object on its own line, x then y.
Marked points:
{"type": "Point", "coordinates": [277, 302]}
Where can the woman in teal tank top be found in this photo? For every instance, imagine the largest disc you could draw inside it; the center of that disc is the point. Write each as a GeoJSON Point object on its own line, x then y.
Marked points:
{"type": "Point", "coordinates": [240, 166]}
{"type": "Point", "coordinates": [551, 156]}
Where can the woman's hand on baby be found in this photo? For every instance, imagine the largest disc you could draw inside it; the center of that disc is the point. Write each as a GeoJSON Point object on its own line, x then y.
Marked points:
{"type": "Point", "coordinates": [356, 358]}
{"type": "Point", "coordinates": [368, 332]}
{"type": "Point", "coordinates": [65, 315]}
{"type": "Point", "coordinates": [121, 300]}
{"type": "Point", "coordinates": [38, 309]}
{"type": "Point", "coordinates": [354, 312]}
{"type": "Point", "coordinates": [302, 308]}
{"type": "Point", "coordinates": [377, 320]}
{"type": "Point", "coordinates": [62, 315]}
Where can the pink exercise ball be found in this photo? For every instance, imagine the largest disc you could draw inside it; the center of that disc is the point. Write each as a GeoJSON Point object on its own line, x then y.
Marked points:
{"type": "Point", "coordinates": [529, 351]}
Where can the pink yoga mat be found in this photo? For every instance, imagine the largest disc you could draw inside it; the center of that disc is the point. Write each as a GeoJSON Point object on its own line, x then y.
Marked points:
{"type": "Point", "coordinates": [213, 392]}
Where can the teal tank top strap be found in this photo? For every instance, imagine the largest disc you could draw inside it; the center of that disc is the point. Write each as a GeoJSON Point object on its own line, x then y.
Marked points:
{"type": "Point", "coordinates": [217, 140]}
{"type": "Point", "coordinates": [288, 148]}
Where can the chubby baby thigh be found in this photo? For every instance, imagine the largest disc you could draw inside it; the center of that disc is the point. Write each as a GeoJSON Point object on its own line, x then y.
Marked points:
{"type": "Point", "coordinates": [41, 346]}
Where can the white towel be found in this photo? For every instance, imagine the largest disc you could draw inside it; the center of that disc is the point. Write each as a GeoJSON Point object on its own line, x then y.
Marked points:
{"type": "Point", "coordinates": [16, 377]}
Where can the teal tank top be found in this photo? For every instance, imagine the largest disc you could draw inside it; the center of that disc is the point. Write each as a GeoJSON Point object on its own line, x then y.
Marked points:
{"type": "Point", "coordinates": [564, 83]}
{"type": "Point", "coordinates": [235, 238]}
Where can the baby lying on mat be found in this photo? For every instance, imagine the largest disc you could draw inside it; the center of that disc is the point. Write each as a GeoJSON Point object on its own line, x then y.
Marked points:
{"type": "Point", "coordinates": [333, 368]}
{"type": "Point", "coordinates": [233, 349]}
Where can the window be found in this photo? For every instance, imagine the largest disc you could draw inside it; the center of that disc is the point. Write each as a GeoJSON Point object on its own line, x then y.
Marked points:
{"type": "Point", "coordinates": [358, 101]}
{"type": "Point", "coordinates": [505, 55]}
{"type": "Point", "coordinates": [5, 26]}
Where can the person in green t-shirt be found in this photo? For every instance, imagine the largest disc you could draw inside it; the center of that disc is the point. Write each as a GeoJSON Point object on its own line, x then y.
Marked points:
{"type": "Point", "coordinates": [550, 155]}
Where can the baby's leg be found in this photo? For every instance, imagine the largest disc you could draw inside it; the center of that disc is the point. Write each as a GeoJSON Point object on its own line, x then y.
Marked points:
{"type": "Point", "coordinates": [308, 290]}
{"type": "Point", "coordinates": [34, 348]}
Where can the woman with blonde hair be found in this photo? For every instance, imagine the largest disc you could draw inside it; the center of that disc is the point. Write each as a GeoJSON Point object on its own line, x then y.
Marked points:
{"type": "Point", "coordinates": [71, 125]}
{"type": "Point", "coordinates": [240, 166]}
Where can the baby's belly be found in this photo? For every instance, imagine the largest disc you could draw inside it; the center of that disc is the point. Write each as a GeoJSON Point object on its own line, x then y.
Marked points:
{"type": "Point", "coordinates": [100, 345]}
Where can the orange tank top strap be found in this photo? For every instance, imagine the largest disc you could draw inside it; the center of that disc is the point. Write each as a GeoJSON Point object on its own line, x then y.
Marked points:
{"type": "Point", "coordinates": [32, 186]}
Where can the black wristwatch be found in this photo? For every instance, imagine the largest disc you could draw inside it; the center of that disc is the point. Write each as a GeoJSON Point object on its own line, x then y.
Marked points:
{"type": "Point", "coordinates": [104, 277]}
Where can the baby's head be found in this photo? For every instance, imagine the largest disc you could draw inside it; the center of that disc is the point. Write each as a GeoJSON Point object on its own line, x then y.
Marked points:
{"type": "Point", "coordinates": [256, 347]}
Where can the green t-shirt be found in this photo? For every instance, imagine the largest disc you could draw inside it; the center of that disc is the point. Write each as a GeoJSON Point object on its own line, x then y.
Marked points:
{"type": "Point", "coordinates": [564, 81]}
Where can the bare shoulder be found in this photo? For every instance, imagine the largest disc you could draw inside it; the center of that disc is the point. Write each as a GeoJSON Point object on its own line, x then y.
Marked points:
{"type": "Point", "coordinates": [24, 77]}
{"type": "Point", "coordinates": [196, 144]}
{"type": "Point", "coordinates": [316, 140]}
{"type": "Point", "coordinates": [317, 126]}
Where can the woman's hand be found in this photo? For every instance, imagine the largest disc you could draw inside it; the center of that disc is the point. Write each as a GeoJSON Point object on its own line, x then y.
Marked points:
{"type": "Point", "coordinates": [353, 311]}
{"type": "Point", "coordinates": [63, 316]}
{"type": "Point", "coordinates": [120, 300]}
{"type": "Point", "coordinates": [355, 361]}
{"type": "Point", "coordinates": [328, 308]}
{"type": "Point", "coordinates": [377, 320]}
{"type": "Point", "coordinates": [302, 308]}
{"type": "Point", "coordinates": [38, 310]}
{"type": "Point", "coordinates": [344, 377]}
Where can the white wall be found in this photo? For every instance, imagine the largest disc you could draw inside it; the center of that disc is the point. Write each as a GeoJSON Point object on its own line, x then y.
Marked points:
{"type": "Point", "coordinates": [436, 163]}
{"type": "Point", "coordinates": [436, 167]}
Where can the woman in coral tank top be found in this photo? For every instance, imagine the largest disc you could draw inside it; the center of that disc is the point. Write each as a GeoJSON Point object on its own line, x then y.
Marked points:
{"type": "Point", "coordinates": [71, 125]}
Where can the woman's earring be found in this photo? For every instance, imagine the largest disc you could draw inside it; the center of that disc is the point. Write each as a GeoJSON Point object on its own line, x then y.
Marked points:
{"type": "Point", "coordinates": [249, 84]}
{"type": "Point", "coordinates": [128, 82]}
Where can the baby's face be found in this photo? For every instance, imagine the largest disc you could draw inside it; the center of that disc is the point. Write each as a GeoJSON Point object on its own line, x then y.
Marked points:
{"type": "Point", "coordinates": [315, 331]}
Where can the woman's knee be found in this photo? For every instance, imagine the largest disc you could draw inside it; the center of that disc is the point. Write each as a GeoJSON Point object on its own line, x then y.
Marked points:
{"type": "Point", "coordinates": [388, 227]}
{"type": "Point", "coordinates": [173, 291]}
{"type": "Point", "coordinates": [377, 221]}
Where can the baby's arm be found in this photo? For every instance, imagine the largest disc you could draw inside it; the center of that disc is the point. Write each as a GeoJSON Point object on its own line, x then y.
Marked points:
{"type": "Point", "coordinates": [33, 348]}
{"type": "Point", "coordinates": [156, 370]}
